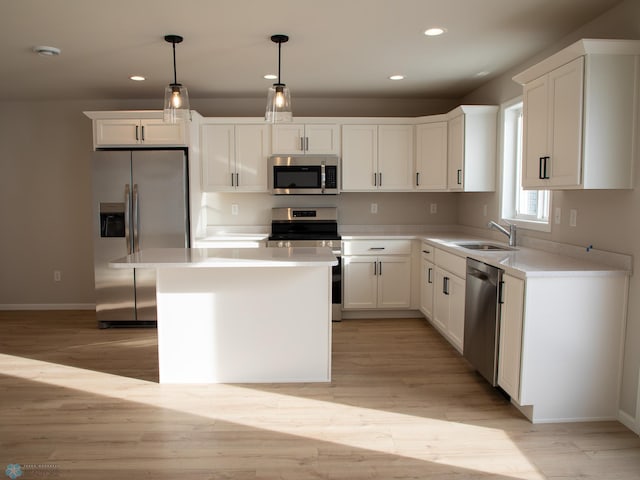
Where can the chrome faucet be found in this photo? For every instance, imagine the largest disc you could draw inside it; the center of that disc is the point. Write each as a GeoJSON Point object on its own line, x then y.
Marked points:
{"type": "Point", "coordinates": [511, 233]}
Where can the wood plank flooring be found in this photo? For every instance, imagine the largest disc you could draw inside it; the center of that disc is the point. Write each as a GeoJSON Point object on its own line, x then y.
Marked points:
{"type": "Point", "coordinates": [77, 402]}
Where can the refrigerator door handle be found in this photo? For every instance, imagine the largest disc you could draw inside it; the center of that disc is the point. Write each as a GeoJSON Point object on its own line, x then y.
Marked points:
{"type": "Point", "coordinates": [136, 219]}
{"type": "Point", "coordinates": [127, 223]}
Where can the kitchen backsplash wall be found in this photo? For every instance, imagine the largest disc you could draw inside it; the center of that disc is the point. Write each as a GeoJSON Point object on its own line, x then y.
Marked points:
{"type": "Point", "coordinates": [254, 209]}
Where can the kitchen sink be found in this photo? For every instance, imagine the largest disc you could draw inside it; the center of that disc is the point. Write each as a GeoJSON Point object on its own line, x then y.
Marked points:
{"type": "Point", "coordinates": [489, 247]}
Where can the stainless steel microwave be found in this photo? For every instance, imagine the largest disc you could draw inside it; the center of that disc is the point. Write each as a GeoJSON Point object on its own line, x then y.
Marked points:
{"type": "Point", "coordinates": [304, 174]}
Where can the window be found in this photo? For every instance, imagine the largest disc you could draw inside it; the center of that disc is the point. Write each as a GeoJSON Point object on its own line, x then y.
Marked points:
{"type": "Point", "coordinates": [526, 208]}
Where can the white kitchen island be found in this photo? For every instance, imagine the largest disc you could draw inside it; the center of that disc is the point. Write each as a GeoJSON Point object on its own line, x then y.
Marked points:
{"type": "Point", "coordinates": [241, 315]}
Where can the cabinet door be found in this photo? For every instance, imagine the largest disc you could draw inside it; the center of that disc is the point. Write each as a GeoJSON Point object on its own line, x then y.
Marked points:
{"type": "Point", "coordinates": [359, 157]}
{"type": "Point", "coordinates": [251, 153]}
{"type": "Point", "coordinates": [511, 319]}
{"type": "Point", "coordinates": [360, 281]}
{"type": "Point", "coordinates": [119, 131]}
{"type": "Point", "coordinates": [455, 160]}
{"type": "Point", "coordinates": [395, 157]}
{"type": "Point", "coordinates": [157, 132]}
{"type": "Point", "coordinates": [287, 139]}
{"type": "Point", "coordinates": [566, 99]}
{"type": "Point", "coordinates": [441, 300]}
{"type": "Point", "coordinates": [322, 139]}
{"type": "Point", "coordinates": [218, 164]}
{"type": "Point", "coordinates": [456, 311]}
{"type": "Point", "coordinates": [536, 131]}
{"type": "Point", "coordinates": [394, 281]}
{"type": "Point", "coordinates": [427, 279]}
{"type": "Point", "coordinates": [431, 156]}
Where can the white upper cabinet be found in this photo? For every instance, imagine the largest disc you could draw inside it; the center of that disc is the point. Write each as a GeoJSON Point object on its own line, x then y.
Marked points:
{"type": "Point", "coordinates": [581, 117]}
{"type": "Point", "coordinates": [377, 157]}
{"type": "Point", "coordinates": [301, 139]}
{"type": "Point", "coordinates": [234, 157]}
{"type": "Point", "coordinates": [472, 138]}
{"type": "Point", "coordinates": [431, 156]}
{"type": "Point", "coordinates": [115, 132]}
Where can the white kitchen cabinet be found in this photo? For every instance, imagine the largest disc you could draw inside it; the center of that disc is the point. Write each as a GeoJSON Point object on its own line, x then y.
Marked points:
{"type": "Point", "coordinates": [234, 157]}
{"type": "Point", "coordinates": [510, 335]}
{"type": "Point", "coordinates": [377, 274]}
{"type": "Point", "coordinates": [431, 156]}
{"type": "Point", "coordinates": [114, 132]}
{"type": "Point", "coordinates": [427, 281]}
{"type": "Point", "coordinates": [560, 343]}
{"type": "Point", "coordinates": [471, 155]}
{"type": "Point", "coordinates": [448, 306]}
{"type": "Point", "coordinates": [302, 139]}
{"type": "Point", "coordinates": [580, 117]}
{"type": "Point", "coordinates": [377, 157]}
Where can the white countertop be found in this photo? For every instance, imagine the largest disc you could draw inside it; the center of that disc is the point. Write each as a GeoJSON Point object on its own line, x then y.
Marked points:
{"type": "Point", "coordinates": [227, 257]}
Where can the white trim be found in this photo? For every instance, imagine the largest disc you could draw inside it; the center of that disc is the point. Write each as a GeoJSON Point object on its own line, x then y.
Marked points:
{"type": "Point", "coordinates": [47, 306]}
{"type": "Point", "coordinates": [629, 422]}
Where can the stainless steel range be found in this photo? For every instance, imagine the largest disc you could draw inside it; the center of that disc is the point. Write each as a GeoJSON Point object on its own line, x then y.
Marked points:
{"type": "Point", "coordinates": [310, 227]}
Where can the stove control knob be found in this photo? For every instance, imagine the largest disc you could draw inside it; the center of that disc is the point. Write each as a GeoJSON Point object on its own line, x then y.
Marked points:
{"type": "Point", "coordinates": [329, 244]}
{"type": "Point", "coordinates": [280, 244]}
{"type": "Point", "coordinates": [288, 244]}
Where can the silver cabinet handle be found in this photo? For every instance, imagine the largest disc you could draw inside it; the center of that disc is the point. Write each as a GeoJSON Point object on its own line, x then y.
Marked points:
{"type": "Point", "coordinates": [429, 275]}
{"type": "Point", "coordinates": [232, 180]}
{"type": "Point", "coordinates": [375, 268]}
{"type": "Point", "coordinates": [306, 147]}
{"type": "Point", "coordinates": [459, 177]}
{"type": "Point", "coordinates": [302, 143]}
{"type": "Point", "coordinates": [143, 133]}
{"type": "Point", "coordinates": [417, 179]}
{"type": "Point", "coordinates": [376, 248]}
{"type": "Point", "coordinates": [136, 219]}
{"type": "Point", "coordinates": [375, 179]}
{"type": "Point", "coordinates": [127, 208]}
{"type": "Point", "coordinates": [380, 177]}
{"type": "Point", "coordinates": [237, 179]}
{"type": "Point", "coordinates": [380, 268]}
{"type": "Point", "coordinates": [445, 285]}
{"type": "Point", "coordinates": [137, 138]}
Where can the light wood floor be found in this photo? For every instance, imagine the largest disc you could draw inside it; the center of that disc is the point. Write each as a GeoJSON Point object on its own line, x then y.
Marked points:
{"type": "Point", "coordinates": [77, 402]}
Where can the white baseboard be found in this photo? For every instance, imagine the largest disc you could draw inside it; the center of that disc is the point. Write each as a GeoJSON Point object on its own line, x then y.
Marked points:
{"type": "Point", "coordinates": [48, 306]}
{"type": "Point", "coordinates": [629, 422]}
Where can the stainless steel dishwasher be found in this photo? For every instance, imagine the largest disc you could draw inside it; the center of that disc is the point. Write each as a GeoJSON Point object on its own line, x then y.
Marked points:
{"type": "Point", "coordinates": [481, 318]}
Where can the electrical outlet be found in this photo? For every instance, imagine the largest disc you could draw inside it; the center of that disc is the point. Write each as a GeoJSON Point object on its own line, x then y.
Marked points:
{"type": "Point", "coordinates": [234, 209]}
{"type": "Point", "coordinates": [374, 208]}
{"type": "Point", "coordinates": [433, 208]}
{"type": "Point", "coordinates": [573, 217]}
{"type": "Point", "coordinates": [57, 276]}
{"type": "Point", "coordinates": [557, 215]}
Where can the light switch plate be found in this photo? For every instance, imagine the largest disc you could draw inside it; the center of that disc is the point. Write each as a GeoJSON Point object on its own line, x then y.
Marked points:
{"type": "Point", "coordinates": [433, 208]}
{"type": "Point", "coordinates": [573, 217]}
{"type": "Point", "coordinates": [234, 209]}
{"type": "Point", "coordinates": [374, 208]}
{"type": "Point", "coordinates": [557, 215]}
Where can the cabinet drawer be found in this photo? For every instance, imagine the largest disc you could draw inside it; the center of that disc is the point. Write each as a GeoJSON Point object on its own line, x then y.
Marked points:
{"type": "Point", "coordinates": [377, 247]}
{"type": "Point", "coordinates": [452, 263]}
{"type": "Point", "coordinates": [427, 251]}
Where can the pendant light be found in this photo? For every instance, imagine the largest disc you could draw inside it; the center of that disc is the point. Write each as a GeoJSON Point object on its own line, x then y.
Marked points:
{"type": "Point", "coordinates": [279, 97]}
{"type": "Point", "coordinates": [176, 97]}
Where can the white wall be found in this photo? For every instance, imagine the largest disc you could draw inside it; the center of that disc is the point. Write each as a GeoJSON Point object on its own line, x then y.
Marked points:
{"type": "Point", "coordinates": [608, 220]}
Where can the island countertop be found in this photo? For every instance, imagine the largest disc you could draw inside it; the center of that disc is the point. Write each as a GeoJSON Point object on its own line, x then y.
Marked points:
{"type": "Point", "coordinates": [227, 257]}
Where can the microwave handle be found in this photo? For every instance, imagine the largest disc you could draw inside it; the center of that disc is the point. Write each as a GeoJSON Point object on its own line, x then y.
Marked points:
{"type": "Point", "coordinates": [323, 177]}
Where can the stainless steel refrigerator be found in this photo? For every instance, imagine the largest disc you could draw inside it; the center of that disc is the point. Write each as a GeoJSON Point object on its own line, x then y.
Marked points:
{"type": "Point", "coordinates": [140, 201]}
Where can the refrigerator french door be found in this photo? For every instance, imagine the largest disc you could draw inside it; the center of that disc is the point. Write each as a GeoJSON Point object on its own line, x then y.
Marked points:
{"type": "Point", "coordinates": [140, 201]}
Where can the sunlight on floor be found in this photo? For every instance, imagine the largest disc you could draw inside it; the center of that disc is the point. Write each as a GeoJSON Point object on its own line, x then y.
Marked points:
{"type": "Point", "coordinates": [487, 450]}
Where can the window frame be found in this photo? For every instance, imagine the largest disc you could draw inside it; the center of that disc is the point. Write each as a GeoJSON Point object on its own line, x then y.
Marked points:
{"type": "Point", "coordinates": [509, 173]}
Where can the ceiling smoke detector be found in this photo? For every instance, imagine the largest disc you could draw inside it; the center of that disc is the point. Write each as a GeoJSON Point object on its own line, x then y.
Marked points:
{"type": "Point", "coordinates": [47, 51]}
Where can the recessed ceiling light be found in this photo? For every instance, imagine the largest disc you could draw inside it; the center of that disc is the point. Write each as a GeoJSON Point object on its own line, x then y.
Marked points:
{"type": "Point", "coordinates": [46, 51]}
{"type": "Point", "coordinates": [484, 73]}
{"type": "Point", "coordinates": [434, 31]}
{"type": "Point", "coordinates": [397, 77]}
{"type": "Point", "coordinates": [270, 76]}
{"type": "Point", "coordinates": [137, 78]}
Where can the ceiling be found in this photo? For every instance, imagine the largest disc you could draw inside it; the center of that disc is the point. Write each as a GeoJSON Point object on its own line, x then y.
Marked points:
{"type": "Point", "coordinates": [337, 48]}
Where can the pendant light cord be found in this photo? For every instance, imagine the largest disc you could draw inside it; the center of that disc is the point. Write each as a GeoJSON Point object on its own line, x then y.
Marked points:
{"type": "Point", "coordinates": [279, 52]}
{"type": "Point", "coordinates": [175, 75]}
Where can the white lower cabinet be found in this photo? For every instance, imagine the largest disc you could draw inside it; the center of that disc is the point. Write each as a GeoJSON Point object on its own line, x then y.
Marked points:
{"type": "Point", "coordinates": [560, 345]}
{"type": "Point", "coordinates": [442, 291]}
{"type": "Point", "coordinates": [448, 310]}
{"type": "Point", "coordinates": [377, 274]}
{"type": "Point", "coordinates": [511, 335]}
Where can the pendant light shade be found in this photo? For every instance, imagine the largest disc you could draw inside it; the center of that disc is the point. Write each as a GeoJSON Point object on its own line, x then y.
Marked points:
{"type": "Point", "coordinates": [176, 97]}
{"type": "Point", "coordinates": [279, 97]}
